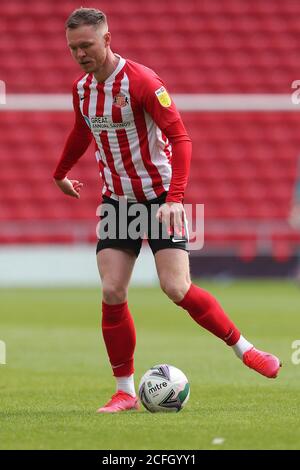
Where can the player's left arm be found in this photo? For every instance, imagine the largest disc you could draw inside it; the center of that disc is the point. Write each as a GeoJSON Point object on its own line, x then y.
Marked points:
{"type": "Point", "coordinates": [181, 157]}
{"type": "Point", "coordinates": [158, 103]}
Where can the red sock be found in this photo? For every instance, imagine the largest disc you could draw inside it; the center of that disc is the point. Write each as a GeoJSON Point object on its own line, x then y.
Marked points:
{"type": "Point", "coordinates": [119, 337]}
{"type": "Point", "coordinates": [206, 311]}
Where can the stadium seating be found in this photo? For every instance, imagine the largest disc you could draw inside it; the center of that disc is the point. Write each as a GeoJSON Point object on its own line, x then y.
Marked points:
{"type": "Point", "coordinates": [233, 46]}
{"type": "Point", "coordinates": [244, 163]}
{"type": "Point", "coordinates": [243, 170]}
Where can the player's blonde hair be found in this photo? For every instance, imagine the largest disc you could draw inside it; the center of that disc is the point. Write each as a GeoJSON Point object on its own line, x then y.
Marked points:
{"type": "Point", "coordinates": [86, 16]}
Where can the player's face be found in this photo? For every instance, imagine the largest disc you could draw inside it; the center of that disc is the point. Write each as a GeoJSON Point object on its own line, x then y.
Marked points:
{"type": "Point", "coordinates": [88, 46]}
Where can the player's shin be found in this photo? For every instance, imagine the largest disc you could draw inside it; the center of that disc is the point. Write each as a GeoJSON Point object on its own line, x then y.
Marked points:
{"type": "Point", "coordinates": [207, 312]}
{"type": "Point", "coordinates": [120, 339]}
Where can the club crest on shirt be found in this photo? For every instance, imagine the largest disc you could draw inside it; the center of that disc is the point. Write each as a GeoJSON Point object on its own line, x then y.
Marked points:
{"type": "Point", "coordinates": [120, 100]}
{"type": "Point", "coordinates": [163, 97]}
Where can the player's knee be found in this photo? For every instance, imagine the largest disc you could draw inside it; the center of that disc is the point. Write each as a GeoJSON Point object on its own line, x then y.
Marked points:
{"type": "Point", "coordinates": [174, 289]}
{"type": "Point", "coordinates": [114, 293]}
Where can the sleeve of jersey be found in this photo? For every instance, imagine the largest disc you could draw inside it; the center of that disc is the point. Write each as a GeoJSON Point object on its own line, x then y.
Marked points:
{"type": "Point", "coordinates": [76, 144]}
{"type": "Point", "coordinates": [181, 159]}
{"type": "Point", "coordinates": [157, 101]}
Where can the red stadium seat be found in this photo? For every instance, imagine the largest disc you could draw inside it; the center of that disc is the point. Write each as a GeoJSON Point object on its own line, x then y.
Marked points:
{"type": "Point", "coordinates": [256, 48]}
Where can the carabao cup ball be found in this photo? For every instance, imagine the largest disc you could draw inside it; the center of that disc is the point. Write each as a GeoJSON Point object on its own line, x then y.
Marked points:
{"type": "Point", "coordinates": [164, 388]}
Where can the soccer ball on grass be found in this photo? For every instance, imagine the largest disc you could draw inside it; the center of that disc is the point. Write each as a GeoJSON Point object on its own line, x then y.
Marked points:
{"type": "Point", "coordinates": [164, 388]}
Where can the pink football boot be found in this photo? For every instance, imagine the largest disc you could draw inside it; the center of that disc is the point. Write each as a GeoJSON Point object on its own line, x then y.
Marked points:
{"type": "Point", "coordinates": [264, 363]}
{"type": "Point", "coordinates": [120, 401]}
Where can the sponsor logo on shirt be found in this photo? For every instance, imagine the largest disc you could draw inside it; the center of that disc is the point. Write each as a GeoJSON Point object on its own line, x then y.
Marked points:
{"type": "Point", "coordinates": [163, 97]}
{"type": "Point", "coordinates": [100, 123]}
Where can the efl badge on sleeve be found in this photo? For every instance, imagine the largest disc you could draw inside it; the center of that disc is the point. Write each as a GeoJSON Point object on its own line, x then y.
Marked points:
{"type": "Point", "coordinates": [163, 97]}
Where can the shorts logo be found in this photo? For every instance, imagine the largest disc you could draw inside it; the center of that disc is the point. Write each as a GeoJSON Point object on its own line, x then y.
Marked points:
{"type": "Point", "coordinates": [163, 97]}
{"type": "Point", "coordinates": [120, 100]}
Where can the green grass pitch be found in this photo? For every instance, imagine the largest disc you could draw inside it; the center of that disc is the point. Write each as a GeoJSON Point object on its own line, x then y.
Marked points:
{"type": "Point", "coordinates": [57, 373]}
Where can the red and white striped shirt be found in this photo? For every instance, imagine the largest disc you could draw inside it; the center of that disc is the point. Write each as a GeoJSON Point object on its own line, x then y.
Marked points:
{"type": "Point", "coordinates": [129, 116]}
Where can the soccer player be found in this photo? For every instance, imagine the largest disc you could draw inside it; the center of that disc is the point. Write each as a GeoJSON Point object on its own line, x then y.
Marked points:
{"type": "Point", "coordinates": [144, 153]}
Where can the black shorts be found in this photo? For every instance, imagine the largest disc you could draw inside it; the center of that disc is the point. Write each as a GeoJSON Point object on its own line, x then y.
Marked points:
{"type": "Point", "coordinates": [112, 235]}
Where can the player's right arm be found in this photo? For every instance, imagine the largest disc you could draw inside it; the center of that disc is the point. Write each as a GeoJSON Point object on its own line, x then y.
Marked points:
{"type": "Point", "coordinates": [75, 146]}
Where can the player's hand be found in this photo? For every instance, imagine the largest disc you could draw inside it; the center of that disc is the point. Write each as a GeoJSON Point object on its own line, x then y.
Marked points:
{"type": "Point", "coordinates": [70, 187]}
{"type": "Point", "coordinates": [172, 215]}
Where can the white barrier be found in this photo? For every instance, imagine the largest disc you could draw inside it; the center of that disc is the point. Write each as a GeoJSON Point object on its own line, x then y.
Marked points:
{"type": "Point", "coordinates": [62, 266]}
{"type": "Point", "coordinates": [184, 102]}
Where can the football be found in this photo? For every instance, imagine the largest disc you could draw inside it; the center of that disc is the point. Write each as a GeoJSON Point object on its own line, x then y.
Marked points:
{"type": "Point", "coordinates": [164, 388]}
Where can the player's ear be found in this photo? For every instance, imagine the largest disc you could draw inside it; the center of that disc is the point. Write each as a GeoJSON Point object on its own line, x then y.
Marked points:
{"type": "Point", "coordinates": [107, 39]}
